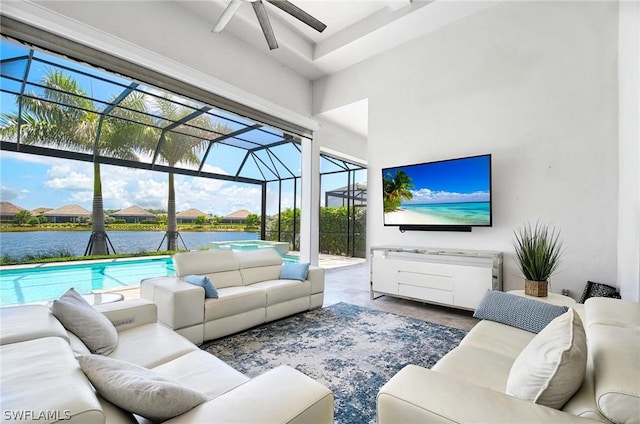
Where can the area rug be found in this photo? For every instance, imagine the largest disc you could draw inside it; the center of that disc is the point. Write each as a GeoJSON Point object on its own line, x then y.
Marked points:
{"type": "Point", "coordinates": [351, 349]}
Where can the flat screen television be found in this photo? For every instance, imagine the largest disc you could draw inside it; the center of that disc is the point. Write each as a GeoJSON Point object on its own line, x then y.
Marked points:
{"type": "Point", "coordinates": [448, 195]}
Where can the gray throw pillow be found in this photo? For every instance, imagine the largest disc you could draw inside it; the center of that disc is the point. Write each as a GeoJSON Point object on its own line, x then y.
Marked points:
{"type": "Point", "coordinates": [517, 311]}
{"type": "Point", "coordinates": [92, 327]}
{"type": "Point", "coordinates": [139, 390]}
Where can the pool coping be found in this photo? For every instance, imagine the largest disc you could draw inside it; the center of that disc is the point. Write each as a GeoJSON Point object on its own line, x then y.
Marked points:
{"type": "Point", "coordinates": [81, 262]}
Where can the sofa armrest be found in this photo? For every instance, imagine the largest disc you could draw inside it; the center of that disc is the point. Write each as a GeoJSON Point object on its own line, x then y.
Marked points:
{"type": "Point", "coordinates": [281, 395]}
{"type": "Point", "coordinates": [316, 277]}
{"type": "Point", "coordinates": [419, 395]}
{"type": "Point", "coordinates": [129, 313]}
{"type": "Point", "coordinates": [180, 304]}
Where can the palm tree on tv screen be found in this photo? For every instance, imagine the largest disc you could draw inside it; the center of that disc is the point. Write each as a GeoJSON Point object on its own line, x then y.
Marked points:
{"type": "Point", "coordinates": [181, 145]}
{"type": "Point", "coordinates": [396, 188]}
{"type": "Point", "coordinates": [64, 116]}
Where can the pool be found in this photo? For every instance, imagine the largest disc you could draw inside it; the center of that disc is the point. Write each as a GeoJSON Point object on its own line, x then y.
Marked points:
{"type": "Point", "coordinates": [40, 283]}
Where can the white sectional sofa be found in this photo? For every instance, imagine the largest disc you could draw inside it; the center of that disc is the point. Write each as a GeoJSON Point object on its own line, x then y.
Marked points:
{"type": "Point", "coordinates": [41, 380]}
{"type": "Point", "coordinates": [468, 384]}
{"type": "Point", "coordinates": [249, 287]}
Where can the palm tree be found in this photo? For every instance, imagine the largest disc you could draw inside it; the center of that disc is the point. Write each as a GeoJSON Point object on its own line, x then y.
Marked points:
{"type": "Point", "coordinates": [181, 146]}
{"type": "Point", "coordinates": [396, 189]}
{"type": "Point", "coordinates": [64, 116]}
{"type": "Point", "coordinates": [119, 138]}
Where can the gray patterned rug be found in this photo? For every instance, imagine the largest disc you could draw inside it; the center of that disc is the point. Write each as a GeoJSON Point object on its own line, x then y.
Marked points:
{"type": "Point", "coordinates": [351, 349]}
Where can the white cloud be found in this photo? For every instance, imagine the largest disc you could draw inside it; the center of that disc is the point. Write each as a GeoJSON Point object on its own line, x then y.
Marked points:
{"type": "Point", "coordinates": [214, 169]}
{"type": "Point", "coordinates": [64, 177]}
{"type": "Point", "coordinates": [8, 194]}
{"type": "Point", "coordinates": [424, 195]}
{"type": "Point", "coordinates": [81, 197]}
{"type": "Point", "coordinates": [150, 194]}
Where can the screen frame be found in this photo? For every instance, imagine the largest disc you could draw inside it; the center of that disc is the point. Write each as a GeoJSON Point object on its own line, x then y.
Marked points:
{"type": "Point", "coordinates": [442, 227]}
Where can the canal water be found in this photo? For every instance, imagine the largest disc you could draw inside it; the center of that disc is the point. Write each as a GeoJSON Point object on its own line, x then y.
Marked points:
{"type": "Point", "coordinates": [34, 242]}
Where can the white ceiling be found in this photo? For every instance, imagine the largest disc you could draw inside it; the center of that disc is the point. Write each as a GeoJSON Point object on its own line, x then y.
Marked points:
{"type": "Point", "coordinates": [356, 30]}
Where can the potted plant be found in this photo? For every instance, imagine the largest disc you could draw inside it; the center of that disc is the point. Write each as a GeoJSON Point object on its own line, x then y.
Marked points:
{"type": "Point", "coordinates": [539, 253]}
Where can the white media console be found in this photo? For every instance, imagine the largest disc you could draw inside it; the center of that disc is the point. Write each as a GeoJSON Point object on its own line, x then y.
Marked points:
{"type": "Point", "coordinates": [458, 278]}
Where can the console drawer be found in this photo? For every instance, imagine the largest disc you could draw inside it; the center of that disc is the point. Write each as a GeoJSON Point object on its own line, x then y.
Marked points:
{"type": "Point", "coordinates": [425, 293]}
{"type": "Point", "coordinates": [426, 280]}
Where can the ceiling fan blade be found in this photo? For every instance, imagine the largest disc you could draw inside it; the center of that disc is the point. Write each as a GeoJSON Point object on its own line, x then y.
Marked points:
{"type": "Point", "coordinates": [261, 14]}
{"type": "Point", "coordinates": [226, 15]}
{"type": "Point", "coordinates": [299, 14]}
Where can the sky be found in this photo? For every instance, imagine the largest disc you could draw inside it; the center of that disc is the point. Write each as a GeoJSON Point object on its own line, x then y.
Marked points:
{"type": "Point", "coordinates": [452, 181]}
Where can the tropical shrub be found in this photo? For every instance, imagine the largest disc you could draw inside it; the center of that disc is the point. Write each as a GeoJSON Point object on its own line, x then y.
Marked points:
{"type": "Point", "coordinates": [22, 217]}
{"type": "Point", "coordinates": [538, 250]}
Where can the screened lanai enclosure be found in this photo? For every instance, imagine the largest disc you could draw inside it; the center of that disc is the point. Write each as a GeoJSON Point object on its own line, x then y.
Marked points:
{"type": "Point", "coordinates": [54, 106]}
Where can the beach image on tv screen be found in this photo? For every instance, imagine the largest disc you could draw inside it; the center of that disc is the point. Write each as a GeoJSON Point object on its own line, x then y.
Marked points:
{"type": "Point", "coordinates": [455, 192]}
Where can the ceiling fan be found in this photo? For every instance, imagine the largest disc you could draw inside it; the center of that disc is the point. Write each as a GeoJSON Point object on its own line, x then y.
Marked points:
{"type": "Point", "coordinates": [263, 19]}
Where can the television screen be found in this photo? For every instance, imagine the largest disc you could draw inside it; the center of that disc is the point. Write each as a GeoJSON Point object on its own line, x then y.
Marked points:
{"type": "Point", "coordinates": [447, 193]}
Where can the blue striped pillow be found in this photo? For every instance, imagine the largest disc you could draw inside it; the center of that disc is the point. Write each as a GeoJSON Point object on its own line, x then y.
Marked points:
{"type": "Point", "coordinates": [517, 311]}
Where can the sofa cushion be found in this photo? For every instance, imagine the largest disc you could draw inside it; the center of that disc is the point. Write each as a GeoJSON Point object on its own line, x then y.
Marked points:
{"type": "Point", "coordinates": [613, 328]}
{"type": "Point", "coordinates": [93, 328]}
{"type": "Point", "coordinates": [258, 258]}
{"type": "Point", "coordinates": [295, 271]}
{"type": "Point", "coordinates": [202, 262]}
{"type": "Point", "coordinates": [583, 403]}
{"type": "Point", "coordinates": [613, 312]}
{"type": "Point", "coordinates": [28, 322]}
{"type": "Point", "coordinates": [202, 371]}
{"type": "Point", "coordinates": [259, 265]}
{"type": "Point", "coordinates": [232, 301]}
{"type": "Point", "coordinates": [41, 376]}
{"type": "Point", "coordinates": [499, 338]}
{"type": "Point", "coordinates": [226, 279]}
{"type": "Point", "coordinates": [462, 362]}
{"type": "Point", "coordinates": [139, 390]}
{"type": "Point", "coordinates": [279, 291]}
{"type": "Point", "coordinates": [77, 346]}
{"type": "Point", "coordinates": [552, 366]}
{"type": "Point", "coordinates": [517, 311]}
{"type": "Point", "coordinates": [151, 345]}
{"type": "Point", "coordinates": [204, 282]}
{"type": "Point", "coordinates": [280, 395]}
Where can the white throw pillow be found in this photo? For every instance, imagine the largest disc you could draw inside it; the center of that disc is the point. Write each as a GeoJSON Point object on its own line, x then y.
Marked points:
{"type": "Point", "coordinates": [92, 327]}
{"type": "Point", "coordinates": [137, 389]}
{"type": "Point", "coordinates": [551, 368]}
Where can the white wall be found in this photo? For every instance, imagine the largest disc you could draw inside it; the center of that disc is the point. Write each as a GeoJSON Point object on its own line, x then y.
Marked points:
{"type": "Point", "coordinates": [629, 153]}
{"type": "Point", "coordinates": [341, 142]}
{"type": "Point", "coordinates": [532, 83]}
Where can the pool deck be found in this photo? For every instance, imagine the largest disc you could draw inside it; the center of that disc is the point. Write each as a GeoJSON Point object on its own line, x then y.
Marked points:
{"type": "Point", "coordinates": [324, 261]}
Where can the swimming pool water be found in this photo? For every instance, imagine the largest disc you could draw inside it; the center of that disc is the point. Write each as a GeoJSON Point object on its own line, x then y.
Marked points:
{"type": "Point", "coordinates": [42, 283]}
{"type": "Point", "coordinates": [46, 282]}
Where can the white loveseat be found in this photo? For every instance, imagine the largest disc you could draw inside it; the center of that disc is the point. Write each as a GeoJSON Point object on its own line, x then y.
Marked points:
{"type": "Point", "coordinates": [41, 380]}
{"type": "Point", "coordinates": [249, 287]}
{"type": "Point", "coordinates": [468, 384]}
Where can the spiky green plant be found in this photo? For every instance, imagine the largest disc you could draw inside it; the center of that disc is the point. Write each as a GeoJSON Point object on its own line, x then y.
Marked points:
{"type": "Point", "coordinates": [539, 251]}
